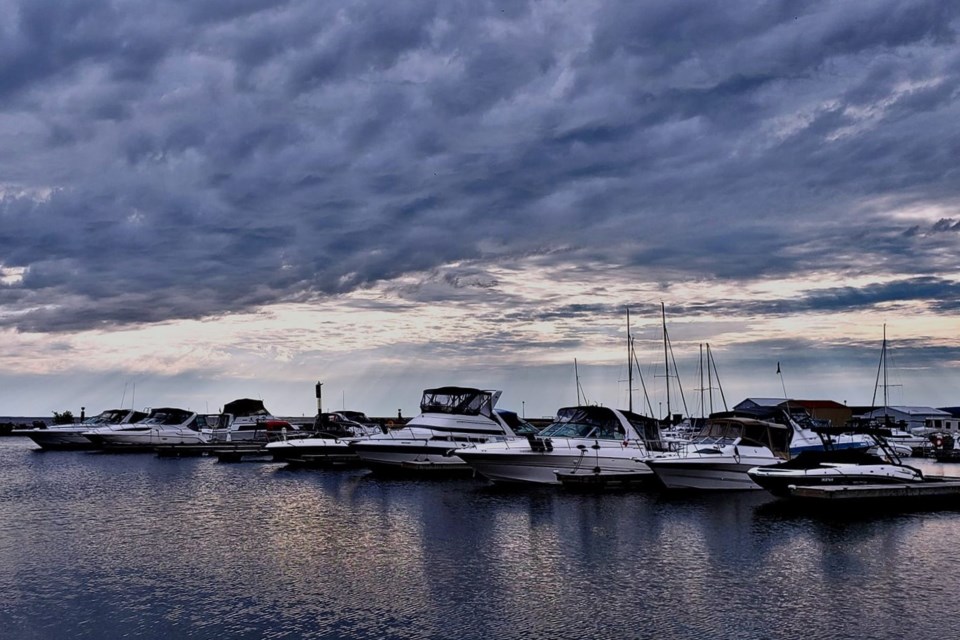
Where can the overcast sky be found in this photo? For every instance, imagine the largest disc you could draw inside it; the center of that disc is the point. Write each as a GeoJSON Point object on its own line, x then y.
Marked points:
{"type": "Point", "coordinates": [238, 198]}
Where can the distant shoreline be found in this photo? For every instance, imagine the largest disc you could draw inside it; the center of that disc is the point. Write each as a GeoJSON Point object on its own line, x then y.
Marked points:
{"type": "Point", "coordinates": [10, 423]}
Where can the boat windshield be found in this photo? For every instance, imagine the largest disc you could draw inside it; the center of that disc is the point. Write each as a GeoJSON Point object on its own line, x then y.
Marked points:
{"type": "Point", "coordinates": [167, 417]}
{"type": "Point", "coordinates": [517, 424]}
{"type": "Point", "coordinates": [749, 432]}
{"type": "Point", "coordinates": [584, 422]}
{"type": "Point", "coordinates": [455, 400]}
{"type": "Point", "coordinates": [108, 417]}
{"type": "Point", "coordinates": [719, 432]}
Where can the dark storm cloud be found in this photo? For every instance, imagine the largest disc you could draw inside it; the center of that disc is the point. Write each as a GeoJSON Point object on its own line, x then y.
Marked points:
{"type": "Point", "coordinates": [179, 159]}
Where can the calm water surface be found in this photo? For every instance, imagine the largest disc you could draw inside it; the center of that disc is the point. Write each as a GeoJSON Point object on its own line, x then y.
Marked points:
{"type": "Point", "coordinates": [111, 546]}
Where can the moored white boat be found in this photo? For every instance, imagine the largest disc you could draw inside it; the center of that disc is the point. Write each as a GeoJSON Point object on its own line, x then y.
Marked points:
{"type": "Point", "coordinates": [329, 443]}
{"type": "Point", "coordinates": [583, 439]}
{"type": "Point", "coordinates": [163, 426]}
{"type": "Point", "coordinates": [722, 452]}
{"type": "Point", "coordinates": [450, 418]}
{"type": "Point", "coordinates": [833, 467]}
{"type": "Point", "coordinates": [70, 436]}
{"type": "Point", "coordinates": [245, 420]}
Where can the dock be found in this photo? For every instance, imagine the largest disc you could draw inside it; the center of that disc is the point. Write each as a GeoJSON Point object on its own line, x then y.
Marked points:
{"type": "Point", "coordinates": [224, 452]}
{"type": "Point", "coordinates": [939, 491]}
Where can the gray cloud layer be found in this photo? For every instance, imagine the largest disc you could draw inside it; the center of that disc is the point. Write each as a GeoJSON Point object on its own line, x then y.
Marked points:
{"type": "Point", "coordinates": [178, 159]}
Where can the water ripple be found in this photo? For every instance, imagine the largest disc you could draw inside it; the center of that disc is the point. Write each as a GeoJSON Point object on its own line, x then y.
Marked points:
{"type": "Point", "coordinates": [96, 546]}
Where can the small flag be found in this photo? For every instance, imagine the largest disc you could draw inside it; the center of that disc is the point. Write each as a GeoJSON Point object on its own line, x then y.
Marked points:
{"type": "Point", "coordinates": [778, 368]}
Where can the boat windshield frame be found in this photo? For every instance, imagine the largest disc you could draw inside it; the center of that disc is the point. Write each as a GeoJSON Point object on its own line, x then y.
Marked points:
{"type": "Point", "coordinates": [457, 401]}
{"type": "Point", "coordinates": [585, 423]}
{"type": "Point", "coordinates": [166, 417]}
{"type": "Point", "coordinates": [744, 431]}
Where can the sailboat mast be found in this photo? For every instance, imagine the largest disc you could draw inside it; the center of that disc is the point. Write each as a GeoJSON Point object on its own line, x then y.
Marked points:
{"type": "Point", "coordinates": [883, 357]}
{"type": "Point", "coordinates": [629, 365]}
{"type": "Point", "coordinates": [701, 382]}
{"type": "Point", "coordinates": [576, 373]}
{"type": "Point", "coordinates": [666, 357]}
{"type": "Point", "coordinates": [710, 377]}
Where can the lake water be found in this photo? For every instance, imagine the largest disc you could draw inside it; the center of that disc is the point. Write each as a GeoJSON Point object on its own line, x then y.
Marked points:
{"type": "Point", "coordinates": [97, 545]}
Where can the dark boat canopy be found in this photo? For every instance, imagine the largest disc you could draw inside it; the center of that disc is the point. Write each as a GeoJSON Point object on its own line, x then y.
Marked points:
{"type": "Point", "coordinates": [459, 400]}
{"type": "Point", "coordinates": [519, 426]}
{"type": "Point", "coordinates": [599, 422]}
{"type": "Point", "coordinates": [727, 427]}
{"type": "Point", "coordinates": [167, 416]}
{"type": "Point", "coordinates": [245, 407]}
{"type": "Point", "coordinates": [117, 416]}
{"type": "Point", "coordinates": [765, 414]}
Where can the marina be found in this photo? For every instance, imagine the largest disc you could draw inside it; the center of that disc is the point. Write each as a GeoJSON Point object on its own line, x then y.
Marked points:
{"type": "Point", "coordinates": [170, 543]}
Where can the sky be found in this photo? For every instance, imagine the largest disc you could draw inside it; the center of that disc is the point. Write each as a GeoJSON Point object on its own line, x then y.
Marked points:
{"type": "Point", "coordinates": [202, 201]}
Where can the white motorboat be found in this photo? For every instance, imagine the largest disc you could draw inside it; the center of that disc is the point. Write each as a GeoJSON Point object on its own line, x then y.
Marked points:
{"type": "Point", "coordinates": [719, 456]}
{"type": "Point", "coordinates": [585, 439]}
{"type": "Point", "coordinates": [837, 467]}
{"type": "Point", "coordinates": [450, 418]}
{"type": "Point", "coordinates": [70, 436]}
{"type": "Point", "coordinates": [246, 420]}
{"type": "Point", "coordinates": [328, 443]}
{"type": "Point", "coordinates": [163, 426]}
{"type": "Point", "coordinates": [906, 443]}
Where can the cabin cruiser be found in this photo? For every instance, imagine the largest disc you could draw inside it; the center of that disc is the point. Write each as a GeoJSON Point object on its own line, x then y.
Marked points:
{"type": "Point", "coordinates": [163, 426]}
{"type": "Point", "coordinates": [582, 439]}
{"type": "Point", "coordinates": [70, 436]}
{"type": "Point", "coordinates": [905, 443]}
{"type": "Point", "coordinates": [837, 467]}
{"type": "Point", "coordinates": [245, 420]}
{"type": "Point", "coordinates": [450, 418]}
{"type": "Point", "coordinates": [328, 443]}
{"type": "Point", "coordinates": [721, 453]}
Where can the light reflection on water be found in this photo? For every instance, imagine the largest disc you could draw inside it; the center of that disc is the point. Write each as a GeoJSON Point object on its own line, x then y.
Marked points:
{"type": "Point", "coordinates": [96, 546]}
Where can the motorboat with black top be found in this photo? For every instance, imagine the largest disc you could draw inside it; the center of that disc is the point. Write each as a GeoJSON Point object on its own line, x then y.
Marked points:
{"type": "Point", "coordinates": [328, 443]}
{"type": "Point", "coordinates": [599, 442]}
{"type": "Point", "coordinates": [64, 437]}
{"type": "Point", "coordinates": [246, 420]}
{"type": "Point", "coordinates": [450, 418]}
{"type": "Point", "coordinates": [833, 467]}
{"type": "Point", "coordinates": [720, 454]}
{"type": "Point", "coordinates": [163, 426]}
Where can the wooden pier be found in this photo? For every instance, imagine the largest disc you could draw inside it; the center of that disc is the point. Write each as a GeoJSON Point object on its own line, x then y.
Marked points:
{"type": "Point", "coordinates": [223, 451]}
{"type": "Point", "coordinates": [941, 492]}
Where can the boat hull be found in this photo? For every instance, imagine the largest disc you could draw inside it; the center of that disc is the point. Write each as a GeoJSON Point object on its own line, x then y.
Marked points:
{"type": "Point", "coordinates": [518, 466]}
{"type": "Point", "coordinates": [146, 441]}
{"type": "Point", "coordinates": [779, 482]}
{"type": "Point", "coordinates": [717, 474]}
{"type": "Point", "coordinates": [317, 451]}
{"type": "Point", "coordinates": [409, 456]}
{"type": "Point", "coordinates": [60, 440]}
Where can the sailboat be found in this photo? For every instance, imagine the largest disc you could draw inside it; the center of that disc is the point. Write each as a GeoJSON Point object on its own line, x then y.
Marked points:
{"type": "Point", "coordinates": [902, 440]}
{"type": "Point", "coordinates": [585, 444]}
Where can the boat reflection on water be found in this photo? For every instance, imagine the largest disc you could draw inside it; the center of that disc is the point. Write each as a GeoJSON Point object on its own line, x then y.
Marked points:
{"type": "Point", "coordinates": [265, 550]}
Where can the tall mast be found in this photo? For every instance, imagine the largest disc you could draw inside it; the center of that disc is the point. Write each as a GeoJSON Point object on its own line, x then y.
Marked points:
{"type": "Point", "coordinates": [710, 376]}
{"type": "Point", "coordinates": [701, 381]}
{"type": "Point", "coordinates": [882, 370]}
{"type": "Point", "coordinates": [629, 366]}
{"type": "Point", "coordinates": [666, 358]}
{"type": "Point", "coordinates": [883, 356]}
{"type": "Point", "coordinates": [576, 373]}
